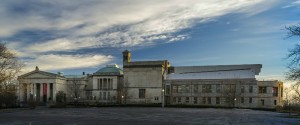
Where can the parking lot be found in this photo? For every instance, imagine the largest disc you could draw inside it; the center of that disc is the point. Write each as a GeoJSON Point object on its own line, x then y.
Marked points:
{"type": "Point", "coordinates": [143, 115]}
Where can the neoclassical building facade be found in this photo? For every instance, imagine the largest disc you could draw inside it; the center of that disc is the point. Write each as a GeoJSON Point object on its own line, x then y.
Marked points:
{"type": "Point", "coordinates": [40, 85]}
{"type": "Point", "coordinates": [156, 82]}
{"type": "Point", "coordinates": [104, 85]}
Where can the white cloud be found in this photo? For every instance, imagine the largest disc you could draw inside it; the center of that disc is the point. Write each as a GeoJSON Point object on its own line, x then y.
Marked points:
{"type": "Point", "coordinates": [295, 3]}
{"type": "Point", "coordinates": [142, 19]}
{"type": "Point", "coordinates": [96, 23]}
{"type": "Point", "coordinates": [56, 62]}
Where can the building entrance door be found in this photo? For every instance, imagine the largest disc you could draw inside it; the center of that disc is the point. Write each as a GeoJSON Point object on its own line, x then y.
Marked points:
{"type": "Point", "coordinates": [44, 98]}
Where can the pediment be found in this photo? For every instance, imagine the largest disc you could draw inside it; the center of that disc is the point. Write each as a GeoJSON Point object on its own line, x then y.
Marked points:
{"type": "Point", "coordinates": [38, 75]}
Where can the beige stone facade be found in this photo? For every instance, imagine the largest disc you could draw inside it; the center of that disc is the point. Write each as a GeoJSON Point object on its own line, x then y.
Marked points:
{"type": "Point", "coordinates": [270, 94]}
{"type": "Point", "coordinates": [155, 82]}
{"type": "Point", "coordinates": [143, 80]}
{"type": "Point", "coordinates": [41, 86]}
{"type": "Point", "coordinates": [104, 85]}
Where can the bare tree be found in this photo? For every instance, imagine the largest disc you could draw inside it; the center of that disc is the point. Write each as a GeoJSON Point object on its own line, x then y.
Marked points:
{"type": "Point", "coordinates": [295, 89]}
{"type": "Point", "coordinates": [229, 92]}
{"type": "Point", "coordinates": [294, 54]}
{"type": "Point", "coordinates": [76, 88]}
{"type": "Point", "coordinates": [294, 66]}
{"type": "Point", "coordinates": [10, 66]}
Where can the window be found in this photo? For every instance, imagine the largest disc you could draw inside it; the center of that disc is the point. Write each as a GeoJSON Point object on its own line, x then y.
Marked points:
{"type": "Point", "coordinates": [174, 88]}
{"type": "Point", "coordinates": [275, 91]}
{"type": "Point", "coordinates": [111, 83]}
{"type": "Point", "coordinates": [156, 98]}
{"type": "Point", "coordinates": [95, 97]}
{"type": "Point", "coordinates": [195, 88]}
{"type": "Point", "coordinates": [142, 93]}
{"type": "Point", "coordinates": [195, 100]}
{"type": "Point", "coordinates": [204, 100]}
{"type": "Point", "coordinates": [262, 102]}
{"type": "Point", "coordinates": [262, 89]}
{"type": "Point", "coordinates": [250, 100]}
{"type": "Point", "coordinates": [242, 99]}
{"type": "Point", "coordinates": [108, 85]}
{"type": "Point", "coordinates": [218, 100]}
{"type": "Point", "coordinates": [208, 100]}
{"type": "Point", "coordinates": [179, 88]}
{"type": "Point", "coordinates": [167, 89]}
{"type": "Point", "coordinates": [108, 95]}
{"type": "Point", "coordinates": [174, 99]}
{"type": "Point", "coordinates": [242, 89]}
{"type": "Point", "coordinates": [101, 84]}
{"type": "Point", "coordinates": [187, 88]}
{"type": "Point", "coordinates": [104, 83]}
{"type": "Point", "coordinates": [179, 99]}
{"type": "Point", "coordinates": [275, 102]}
{"type": "Point", "coordinates": [250, 89]}
{"type": "Point", "coordinates": [100, 96]}
{"type": "Point", "coordinates": [187, 100]}
{"type": "Point", "coordinates": [218, 88]}
{"type": "Point", "coordinates": [206, 88]}
{"type": "Point", "coordinates": [104, 95]}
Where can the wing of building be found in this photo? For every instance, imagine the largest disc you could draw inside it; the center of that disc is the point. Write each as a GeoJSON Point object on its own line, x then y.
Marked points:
{"type": "Point", "coordinates": [156, 82]}
{"type": "Point", "coordinates": [222, 86]}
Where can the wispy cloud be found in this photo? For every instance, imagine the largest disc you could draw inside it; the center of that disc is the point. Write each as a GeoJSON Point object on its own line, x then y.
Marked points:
{"type": "Point", "coordinates": [60, 62]}
{"type": "Point", "coordinates": [295, 3]}
{"type": "Point", "coordinates": [96, 24]}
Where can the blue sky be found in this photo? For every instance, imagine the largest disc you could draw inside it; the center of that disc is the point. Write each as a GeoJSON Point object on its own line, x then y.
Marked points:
{"type": "Point", "coordinates": [75, 36]}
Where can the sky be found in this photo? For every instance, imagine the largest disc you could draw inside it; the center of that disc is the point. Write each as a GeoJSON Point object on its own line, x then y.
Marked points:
{"type": "Point", "coordinates": [75, 36]}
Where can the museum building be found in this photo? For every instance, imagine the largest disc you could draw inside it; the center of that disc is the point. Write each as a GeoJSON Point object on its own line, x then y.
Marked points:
{"type": "Point", "coordinates": [156, 82]}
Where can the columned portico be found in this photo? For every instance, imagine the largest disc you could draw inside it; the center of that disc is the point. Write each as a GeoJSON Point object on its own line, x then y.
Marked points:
{"type": "Point", "coordinates": [40, 86]}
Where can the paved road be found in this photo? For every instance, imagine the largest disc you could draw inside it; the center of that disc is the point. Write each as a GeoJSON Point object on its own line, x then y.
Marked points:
{"type": "Point", "coordinates": [144, 116]}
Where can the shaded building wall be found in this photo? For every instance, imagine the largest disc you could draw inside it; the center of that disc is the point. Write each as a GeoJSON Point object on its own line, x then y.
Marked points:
{"type": "Point", "coordinates": [221, 92]}
{"type": "Point", "coordinates": [148, 78]}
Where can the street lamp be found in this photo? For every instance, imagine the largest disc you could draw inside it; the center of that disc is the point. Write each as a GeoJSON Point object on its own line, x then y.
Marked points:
{"type": "Point", "coordinates": [163, 98]}
{"type": "Point", "coordinates": [234, 102]}
{"type": "Point", "coordinates": [122, 99]}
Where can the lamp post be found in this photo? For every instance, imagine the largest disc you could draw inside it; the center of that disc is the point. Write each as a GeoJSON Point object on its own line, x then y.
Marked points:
{"type": "Point", "coordinates": [234, 102]}
{"type": "Point", "coordinates": [163, 98]}
{"type": "Point", "coordinates": [122, 99]}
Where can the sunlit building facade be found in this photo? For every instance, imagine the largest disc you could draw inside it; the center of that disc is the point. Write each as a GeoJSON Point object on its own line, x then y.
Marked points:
{"type": "Point", "coordinates": [156, 82]}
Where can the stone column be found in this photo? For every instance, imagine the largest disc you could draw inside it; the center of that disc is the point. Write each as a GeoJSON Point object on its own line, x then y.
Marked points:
{"type": "Point", "coordinates": [111, 84]}
{"type": "Point", "coordinates": [48, 91]}
{"type": "Point", "coordinates": [28, 91]}
{"type": "Point", "coordinates": [54, 92]}
{"type": "Point", "coordinates": [34, 90]}
{"type": "Point", "coordinates": [41, 92]}
{"type": "Point", "coordinates": [20, 92]}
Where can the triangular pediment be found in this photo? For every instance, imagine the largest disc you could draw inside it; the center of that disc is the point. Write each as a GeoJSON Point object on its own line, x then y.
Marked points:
{"type": "Point", "coordinates": [38, 74]}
